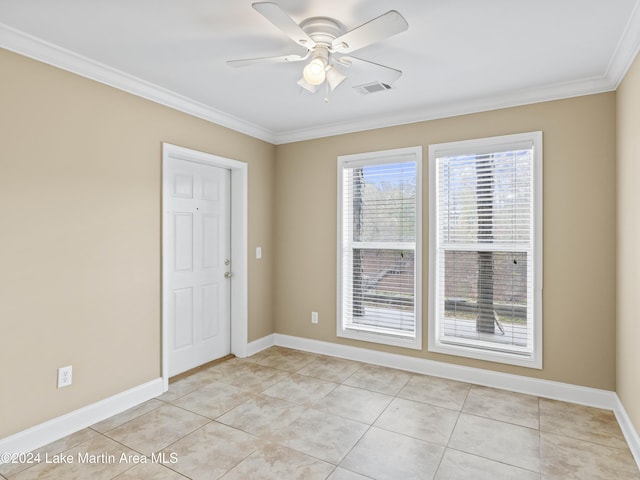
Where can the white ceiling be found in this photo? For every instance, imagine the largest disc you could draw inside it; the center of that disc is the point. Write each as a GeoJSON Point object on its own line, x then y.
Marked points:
{"type": "Point", "coordinates": [458, 56]}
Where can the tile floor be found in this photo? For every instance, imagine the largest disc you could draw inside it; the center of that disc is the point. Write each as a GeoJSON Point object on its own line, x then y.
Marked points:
{"type": "Point", "coordinates": [284, 414]}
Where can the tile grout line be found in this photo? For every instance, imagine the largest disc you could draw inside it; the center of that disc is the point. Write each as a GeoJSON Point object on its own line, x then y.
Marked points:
{"type": "Point", "coordinates": [267, 438]}
{"type": "Point", "coordinates": [540, 438]}
{"type": "Point", "coordinates": [306, 407]}
{"type": "Point", "coordinates": [395, 396]}
{"type": "Point", "coordinates": [202, 427]}
{"type": "Point", "coordinates": [452, 430]}
{"type": "Point", "coordinates": [370, 425]}
{"type": "Point", "coordinates": [385, 409]}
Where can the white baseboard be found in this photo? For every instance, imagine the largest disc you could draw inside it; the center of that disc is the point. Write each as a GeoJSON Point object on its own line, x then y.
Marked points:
{"type": "Point", "coordinates": [629, 431]}
{"type": "Point", "coordinates": [47, 432]}
{"type": "Point", "coordinates": [261, 344]}
{"type": "Point", "coordinates": [516, 383]}
{"type": "Point", "coordinates": [566, 392]}
{"type": "Point", "coordinates": [51, 430]}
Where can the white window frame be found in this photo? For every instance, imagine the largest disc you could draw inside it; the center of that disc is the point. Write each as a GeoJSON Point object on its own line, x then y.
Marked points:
{"type": "Point", "coordinates": [372, 158]}
{"type": "Point", "coordinates": [482, 146]}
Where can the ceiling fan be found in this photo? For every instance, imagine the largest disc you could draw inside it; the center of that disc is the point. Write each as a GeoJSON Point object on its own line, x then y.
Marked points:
{"type": "Point", "coordinates": [327, 44]}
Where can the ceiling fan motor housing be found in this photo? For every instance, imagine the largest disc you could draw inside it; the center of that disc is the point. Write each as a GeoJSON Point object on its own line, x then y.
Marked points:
{"type": "Point", "coordinates": [322, 30]}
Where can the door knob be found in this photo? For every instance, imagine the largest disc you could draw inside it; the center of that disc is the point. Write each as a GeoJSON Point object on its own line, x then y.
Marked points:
{"type": "Point", "coordinates": [228, 274]}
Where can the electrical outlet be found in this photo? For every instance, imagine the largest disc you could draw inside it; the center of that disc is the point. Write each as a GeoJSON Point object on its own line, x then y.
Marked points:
{"type": "Point", "coordinates": [314, 317]}
{"type": "Point", "coordinates": [64, 376]}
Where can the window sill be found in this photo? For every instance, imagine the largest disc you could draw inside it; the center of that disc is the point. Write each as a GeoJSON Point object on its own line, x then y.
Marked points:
{"type": "Point", "coordinates": [384, 339]}
{"type": "Point", "coordinates": [528, 361]}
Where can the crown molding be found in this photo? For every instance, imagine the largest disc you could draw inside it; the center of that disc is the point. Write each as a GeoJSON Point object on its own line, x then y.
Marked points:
{"type": "Point", "coordinates": [626, 50]}
{"type": "Point", "coordinates": [622, 59]}
{"type": "Point", "coordinates": [453, 109]}
{"type": "Point", "coordinates": [38, 49]}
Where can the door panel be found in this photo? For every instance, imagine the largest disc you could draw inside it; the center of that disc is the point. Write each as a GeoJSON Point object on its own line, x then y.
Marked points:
{"type": "Point", "coordinates": [183, 301]}
{"type": "Point", "coordinates": [210, 301]}
{"type": "Point", "coordinates": [183, 234]}
{"type": "Point", "coordinates": [210, 234]}
{"type": "Point", "coordinates": [199, 215]}
{"type": "Point", "coordinates": [183, 186]}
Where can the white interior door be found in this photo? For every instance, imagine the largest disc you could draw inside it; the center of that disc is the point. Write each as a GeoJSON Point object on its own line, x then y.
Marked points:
{"type": "Point", "coordinates": [197, 209]}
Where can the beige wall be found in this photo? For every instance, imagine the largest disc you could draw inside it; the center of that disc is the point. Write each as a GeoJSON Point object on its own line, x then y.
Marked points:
{"type": "Point", "coordinates": [579, 230]}
{"type": "Point", "coordinates": [628, 281]}
{"type": "Point", "coordinates": [80, 242]}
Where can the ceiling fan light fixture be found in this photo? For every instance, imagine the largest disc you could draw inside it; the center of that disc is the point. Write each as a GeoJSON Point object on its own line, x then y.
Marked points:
{"type": "Point", "coordinates": [315, 71]}
{"type": "Point", "coordinates": [307, 86]}
{"type": "Point", "coordinates": [334, 77]}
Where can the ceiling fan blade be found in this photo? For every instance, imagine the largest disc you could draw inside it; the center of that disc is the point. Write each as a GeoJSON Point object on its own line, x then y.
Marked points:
{"type": "Point", "coordinates": [284, 22]}
{"type": "Point", "coordinates": [265, 60]}
{"type": "Point", "coordinates": [391, 74]}
{"type": "Point", "coordinates": [384, 26]}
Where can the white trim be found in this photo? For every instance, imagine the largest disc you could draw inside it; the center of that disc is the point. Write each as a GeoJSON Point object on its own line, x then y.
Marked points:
{"type": "Point", "coordinates": [239, 255]}
{"type": "Point", "coordinates": [56, 428]}
{"type": "Point", "coordinates": [588, 86]}
{"type": "Point", "coordinates": [626, 50]}
{"type": "Point", "coordinates": [43, 51]}
{"type": "Point", "coordinates": [628, 430]}
{"type": "Point", "coordinates": [397, 155]}
{"type": "Point", "coordinates": [261, 344]}
{"type": "Point", "coordinates": [47, 432]}
{"type": "Point", "coordinates": [38, 49]}
{"type": "Point", "coordinates": [565, 392]}
{"type": "Point", "coordinates": [239, 246]}
{"type": "Point", "coordinates": [483, 145]}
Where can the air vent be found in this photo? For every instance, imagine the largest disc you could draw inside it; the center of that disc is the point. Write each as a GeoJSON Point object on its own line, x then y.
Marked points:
{"type": "Point", "coordinates": [373, 87]}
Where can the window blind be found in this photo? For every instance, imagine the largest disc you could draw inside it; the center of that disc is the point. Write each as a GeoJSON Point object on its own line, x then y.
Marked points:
{"type": "Point", "coordinates": [485, 248]}
{"type": "Point", "coordinates": [379, 246]}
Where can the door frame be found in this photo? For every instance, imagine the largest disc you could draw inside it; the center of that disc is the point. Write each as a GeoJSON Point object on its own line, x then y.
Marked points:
{"type": "Point", "coordinates": [239, 221]}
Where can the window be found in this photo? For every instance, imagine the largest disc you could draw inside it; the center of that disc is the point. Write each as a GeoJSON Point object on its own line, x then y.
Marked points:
{"type": "Point", "coordinates": [379, 249]}
{"type": "Point", "coordinates": [485, 249]}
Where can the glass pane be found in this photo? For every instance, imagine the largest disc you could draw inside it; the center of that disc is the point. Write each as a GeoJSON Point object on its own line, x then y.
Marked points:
{"type": "Point", "coordinates": [486, 293]}
{"type": "Point", "coordinates": [487, 198]}
{"type": "Point", "coordinates": [383, 288]}
{"type": "Point", "coordinates": [384, 203]}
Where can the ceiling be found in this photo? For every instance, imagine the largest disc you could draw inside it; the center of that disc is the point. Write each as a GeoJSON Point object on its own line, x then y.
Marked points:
{"type": "Point", "coordinates": [458, 56]}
